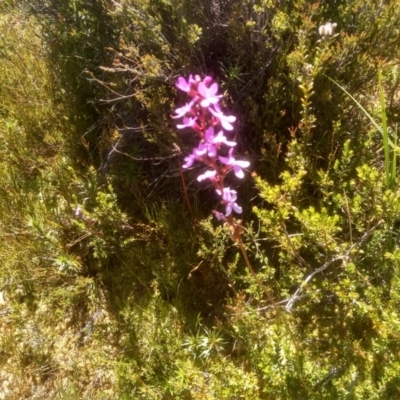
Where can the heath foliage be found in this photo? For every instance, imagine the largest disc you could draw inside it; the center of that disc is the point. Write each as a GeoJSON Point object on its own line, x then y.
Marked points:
{"type": "Point", "coordinates": [113, 287]}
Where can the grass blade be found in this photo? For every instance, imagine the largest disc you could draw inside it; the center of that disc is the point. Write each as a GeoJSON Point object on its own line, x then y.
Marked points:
{"type": "Point", "coordinates": [385, 133]}
{"type": "Point", "coordinates": [376, 125]}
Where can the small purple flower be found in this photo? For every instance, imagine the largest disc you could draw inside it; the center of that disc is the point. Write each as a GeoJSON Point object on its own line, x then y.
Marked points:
{"type": "Point", "coordinates": [207, 175]}
{"type": "Point", "coordinates": [225, 120]}
{"type": "Point", "coordinates": [187, 123]}
{"type": "Point", "coordinates": [180, 112]}
{"type": "Point", "coordinates": [184, 85]}
{"type": "Point", "coordinates": [237, 165]}
{"type": "Point", "coordinates": [209, 94]}
{"type": "Point", "coordinates": [229, 197]}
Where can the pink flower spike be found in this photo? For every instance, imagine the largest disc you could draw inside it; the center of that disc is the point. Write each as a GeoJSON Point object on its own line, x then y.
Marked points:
{"type": "Point", "coordinates": [220, 138]}
{"type": "Point", "coordinates": [181, 84]}
{"type": "Point", "coordinates": [237, 165]}
{"type": "Point", "coordinates": [180, 112]}
{"type": "Point", "coordinates": [187, 123]}
{"type": "Point", "coordinates": [209, 94]}
{"type": "Point", "coordinates": [207, 175]}
{"type": "Point", "coordinates": [225, 120]}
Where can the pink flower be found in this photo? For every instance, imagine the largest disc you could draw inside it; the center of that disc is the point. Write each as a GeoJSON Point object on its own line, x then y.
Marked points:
{"type": "Point", "coordinates": [180, 112]}
{"type": "Point", "coordinates": [225, 120]}
{"type": "Point", "coordinates": [237, 165]}
{"type": "Point", "coordinates": [211, 143]}
{"type": "Point", "coordinates": [209, 94]}
{"type": "Point", "coordinates": [220, 138]}
{"type": "Point", "coordinates": [229, 198]}
{"type": "Point", "coordinates": [184, 85]}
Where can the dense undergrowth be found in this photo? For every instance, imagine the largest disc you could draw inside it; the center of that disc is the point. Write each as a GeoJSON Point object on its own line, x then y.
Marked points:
{"type": "Point", "coordinates": [112, 287]}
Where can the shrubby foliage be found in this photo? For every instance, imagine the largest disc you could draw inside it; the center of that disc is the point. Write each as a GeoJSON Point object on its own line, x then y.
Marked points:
{"type": "Point", "coordinates": [112, 287]}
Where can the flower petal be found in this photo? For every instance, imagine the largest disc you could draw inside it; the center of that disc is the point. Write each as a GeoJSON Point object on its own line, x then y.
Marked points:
{"type": "Point", "coordinates": [237, 208]}
{"type": "Point", "coordinates": [189, 161]}
{"type": "Point", "coordinates": [181, 84]}
{"type": "Point", "coordinates": [224, 160]}
{"type": "Point", "coordinates": [243, 164]}
{"type": "Point", "coordinates": [226, 125]}
{"type": "Point", "coordinates": [238, 171]}
{"type": "Point", "coordinates": [206, 175]}
{"type": "Point", "coordinates": [209, 134]}
{"type": "Point", "coordinates": [228, 209]}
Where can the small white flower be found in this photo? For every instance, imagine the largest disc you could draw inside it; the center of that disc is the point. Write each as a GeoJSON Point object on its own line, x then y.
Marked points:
{"type": "Point", "coordinates": [327, 29]}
